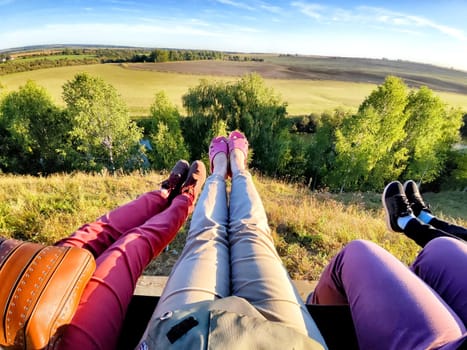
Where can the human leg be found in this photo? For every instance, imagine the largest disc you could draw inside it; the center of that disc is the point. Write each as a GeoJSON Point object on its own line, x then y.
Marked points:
{"type": "Point", "coordinates": [391, 307]}
{"type": "Point", "coordinates": [258, 274]}
{"type": "Point", "coordinates": [422, 233]}
{"type": "Point", "coordinates": [202, 271]}
{"type": "Point", "coordinates": [99, 235]}
{"type": "Point", "coordinates": [400, 216]}
{"type": "Point", "coordinates": [100, 314]}
{"type": "Point", "coordinates": [442, 264]}
{"type": "Point", "coordinates": [456, 230]}
{"type": "Point", "coordinates": [424, 214]}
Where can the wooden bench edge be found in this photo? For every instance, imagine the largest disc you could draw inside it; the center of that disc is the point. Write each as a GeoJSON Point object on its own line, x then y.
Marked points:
{"type": "Point", "coordinates": [154, 285]}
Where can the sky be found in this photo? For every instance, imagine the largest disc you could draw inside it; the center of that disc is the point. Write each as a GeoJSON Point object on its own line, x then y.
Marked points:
{"type": "Point", "coordinates": [421, 31]}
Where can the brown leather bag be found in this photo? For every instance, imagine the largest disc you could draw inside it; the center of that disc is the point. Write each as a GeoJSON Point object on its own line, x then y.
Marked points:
{"type": "Point", "coordinates": [40, 288]}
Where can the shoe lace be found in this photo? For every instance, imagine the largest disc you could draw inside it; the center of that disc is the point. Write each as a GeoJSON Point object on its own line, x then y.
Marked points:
{"type": "Point", "coordinates": [420, 203]}
{"type": "Point", "coordinates": [171, 182]}
{"type": "Point", "coordinates": [401, 205]}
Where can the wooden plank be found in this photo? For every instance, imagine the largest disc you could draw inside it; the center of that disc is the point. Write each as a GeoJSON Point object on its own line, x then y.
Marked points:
{"type": "Point", "coordinates": [304, 287]}
{"type": "Point", "coordinates": [150, 285]}
{"type": "Point", "coordinates": [153, 286]}
{"type": "Point", "coordinates": [334, 321]}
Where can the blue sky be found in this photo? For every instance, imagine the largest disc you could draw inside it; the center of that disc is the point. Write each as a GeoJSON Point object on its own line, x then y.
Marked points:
{"type": "Point", "coordinates": [422, 31]}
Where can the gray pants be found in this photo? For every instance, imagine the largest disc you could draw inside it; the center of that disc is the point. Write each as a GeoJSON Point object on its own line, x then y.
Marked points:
{"type": "Point", "coordinates": [230, 251]}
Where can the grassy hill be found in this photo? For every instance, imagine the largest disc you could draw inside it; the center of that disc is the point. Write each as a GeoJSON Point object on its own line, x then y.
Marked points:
{"type": "Point", "coordinates": [309, 228]}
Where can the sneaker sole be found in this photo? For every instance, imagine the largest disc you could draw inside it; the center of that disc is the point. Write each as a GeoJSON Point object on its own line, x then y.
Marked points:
{"type": "Point", "coordinates": [388, 219]}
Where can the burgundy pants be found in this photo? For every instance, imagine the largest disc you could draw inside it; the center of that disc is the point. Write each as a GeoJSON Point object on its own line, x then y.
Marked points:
{"type": "Point", "coordinates": [124, 242]}
{"type": "Point", "coordinates": [394, 307]}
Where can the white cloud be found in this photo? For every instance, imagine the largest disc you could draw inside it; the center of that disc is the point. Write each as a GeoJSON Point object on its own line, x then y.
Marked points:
{"type": "Point", "coordinates": [126, 10]}
{"type": "Point", "coordinates": [258, 6]}
{"type": "Point", "coordinates": [369, 15]}
{"type": "Point", "coordinates": [242, 29]}
{"type": "Point", "coordinates": [423, 22]}
{"type": "Point", "coordinates": [129, 29]}
{"type": "Point", "coordinates": [311, 10]}
{"type": "Point", "coordinates": [116, 34]}
{"type": "Point", "coordinates": [122, 2]}
{"type": "Point", "coordinates": [271, 8]}
{"type": "Point", "coordinates": [402, 19]}
{"type": "Point", "coordinates": [236, 4]}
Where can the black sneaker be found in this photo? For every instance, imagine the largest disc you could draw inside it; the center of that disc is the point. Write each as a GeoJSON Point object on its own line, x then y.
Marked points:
{"type": "Point", "coordinates": [415, 198]}
{"type": "Point", "coordinates": [176, 178]}
{"type": "Point", "coordinates": [396, 205]}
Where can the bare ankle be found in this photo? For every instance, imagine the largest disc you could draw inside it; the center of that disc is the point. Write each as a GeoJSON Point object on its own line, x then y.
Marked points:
{"type": "Point", "coordinates": [220, 164]}
{"type": "Point", "coordinates": [237, 161]}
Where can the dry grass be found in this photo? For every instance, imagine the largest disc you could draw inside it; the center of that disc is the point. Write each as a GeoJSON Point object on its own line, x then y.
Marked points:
{"type": "Point", "coordinates": [308, 228]}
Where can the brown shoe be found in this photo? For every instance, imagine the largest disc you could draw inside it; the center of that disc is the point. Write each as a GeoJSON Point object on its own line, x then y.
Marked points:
{"type": "Point", "coordinates": [176, 178]}
{"type": "Point", "coordinates": [194, 181]}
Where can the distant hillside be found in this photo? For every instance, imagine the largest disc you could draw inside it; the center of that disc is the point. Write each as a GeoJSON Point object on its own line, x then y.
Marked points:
{"type": "Point", "coordinates": [374, 71]}
{"type": "Point", "coordinates": [23, 49]}
{"type": "Point", "coordinates": [299, 67]}
{"type": "Point", "coordinates": [359, 70]}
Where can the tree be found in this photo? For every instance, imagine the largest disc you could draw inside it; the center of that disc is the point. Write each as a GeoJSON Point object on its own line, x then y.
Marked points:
{"type": "Point", "coordinates": [103, 135]}
{"type": "Point", "coordinates": [247, 105]}
{"type": "Point", "coordinates": [464, 126]}
{"type": "Point", "coordinates": [431, 129]}
{"type": "Point", "coordinates": [355, 142]}
{"type": "Point", "coordinates": [159, 55]}
{"type": "Point", "coordinates": [204, 104]}
{"type": "Point", "coordinates": [321, 151]}
{"type": "Point", "coordinates": [456, 175]}
{"type": "Point", "coordinates": [34, 132]}
{"type": "Point", "coordinates": [165, 134]}
{"type": "Point", "coordinates": [369, 145]}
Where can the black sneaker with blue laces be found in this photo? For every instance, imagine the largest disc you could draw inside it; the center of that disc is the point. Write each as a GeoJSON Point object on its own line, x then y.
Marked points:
{"type": "Point", "coordinates": [395, 204]}
{"type": "Point", "coordinates": [415, 198]}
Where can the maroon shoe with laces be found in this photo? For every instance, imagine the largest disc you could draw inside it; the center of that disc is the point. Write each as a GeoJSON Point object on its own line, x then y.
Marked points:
{"type": "Point", "coordinates": [194, 182]}
{"type": "Point", "coordinates": [177, 177]}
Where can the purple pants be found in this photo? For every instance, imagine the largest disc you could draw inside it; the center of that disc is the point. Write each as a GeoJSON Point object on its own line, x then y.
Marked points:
{"type": "Point", "coordinates": [124, 242]}
{"type": "Point", "coordinates": [394, 307]}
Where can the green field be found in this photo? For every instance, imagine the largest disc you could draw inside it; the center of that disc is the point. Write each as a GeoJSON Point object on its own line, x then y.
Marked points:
{"type": "Point", "coordinates": [138, 87]}
{"type": "Point", "coordinates": [56, 57]}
